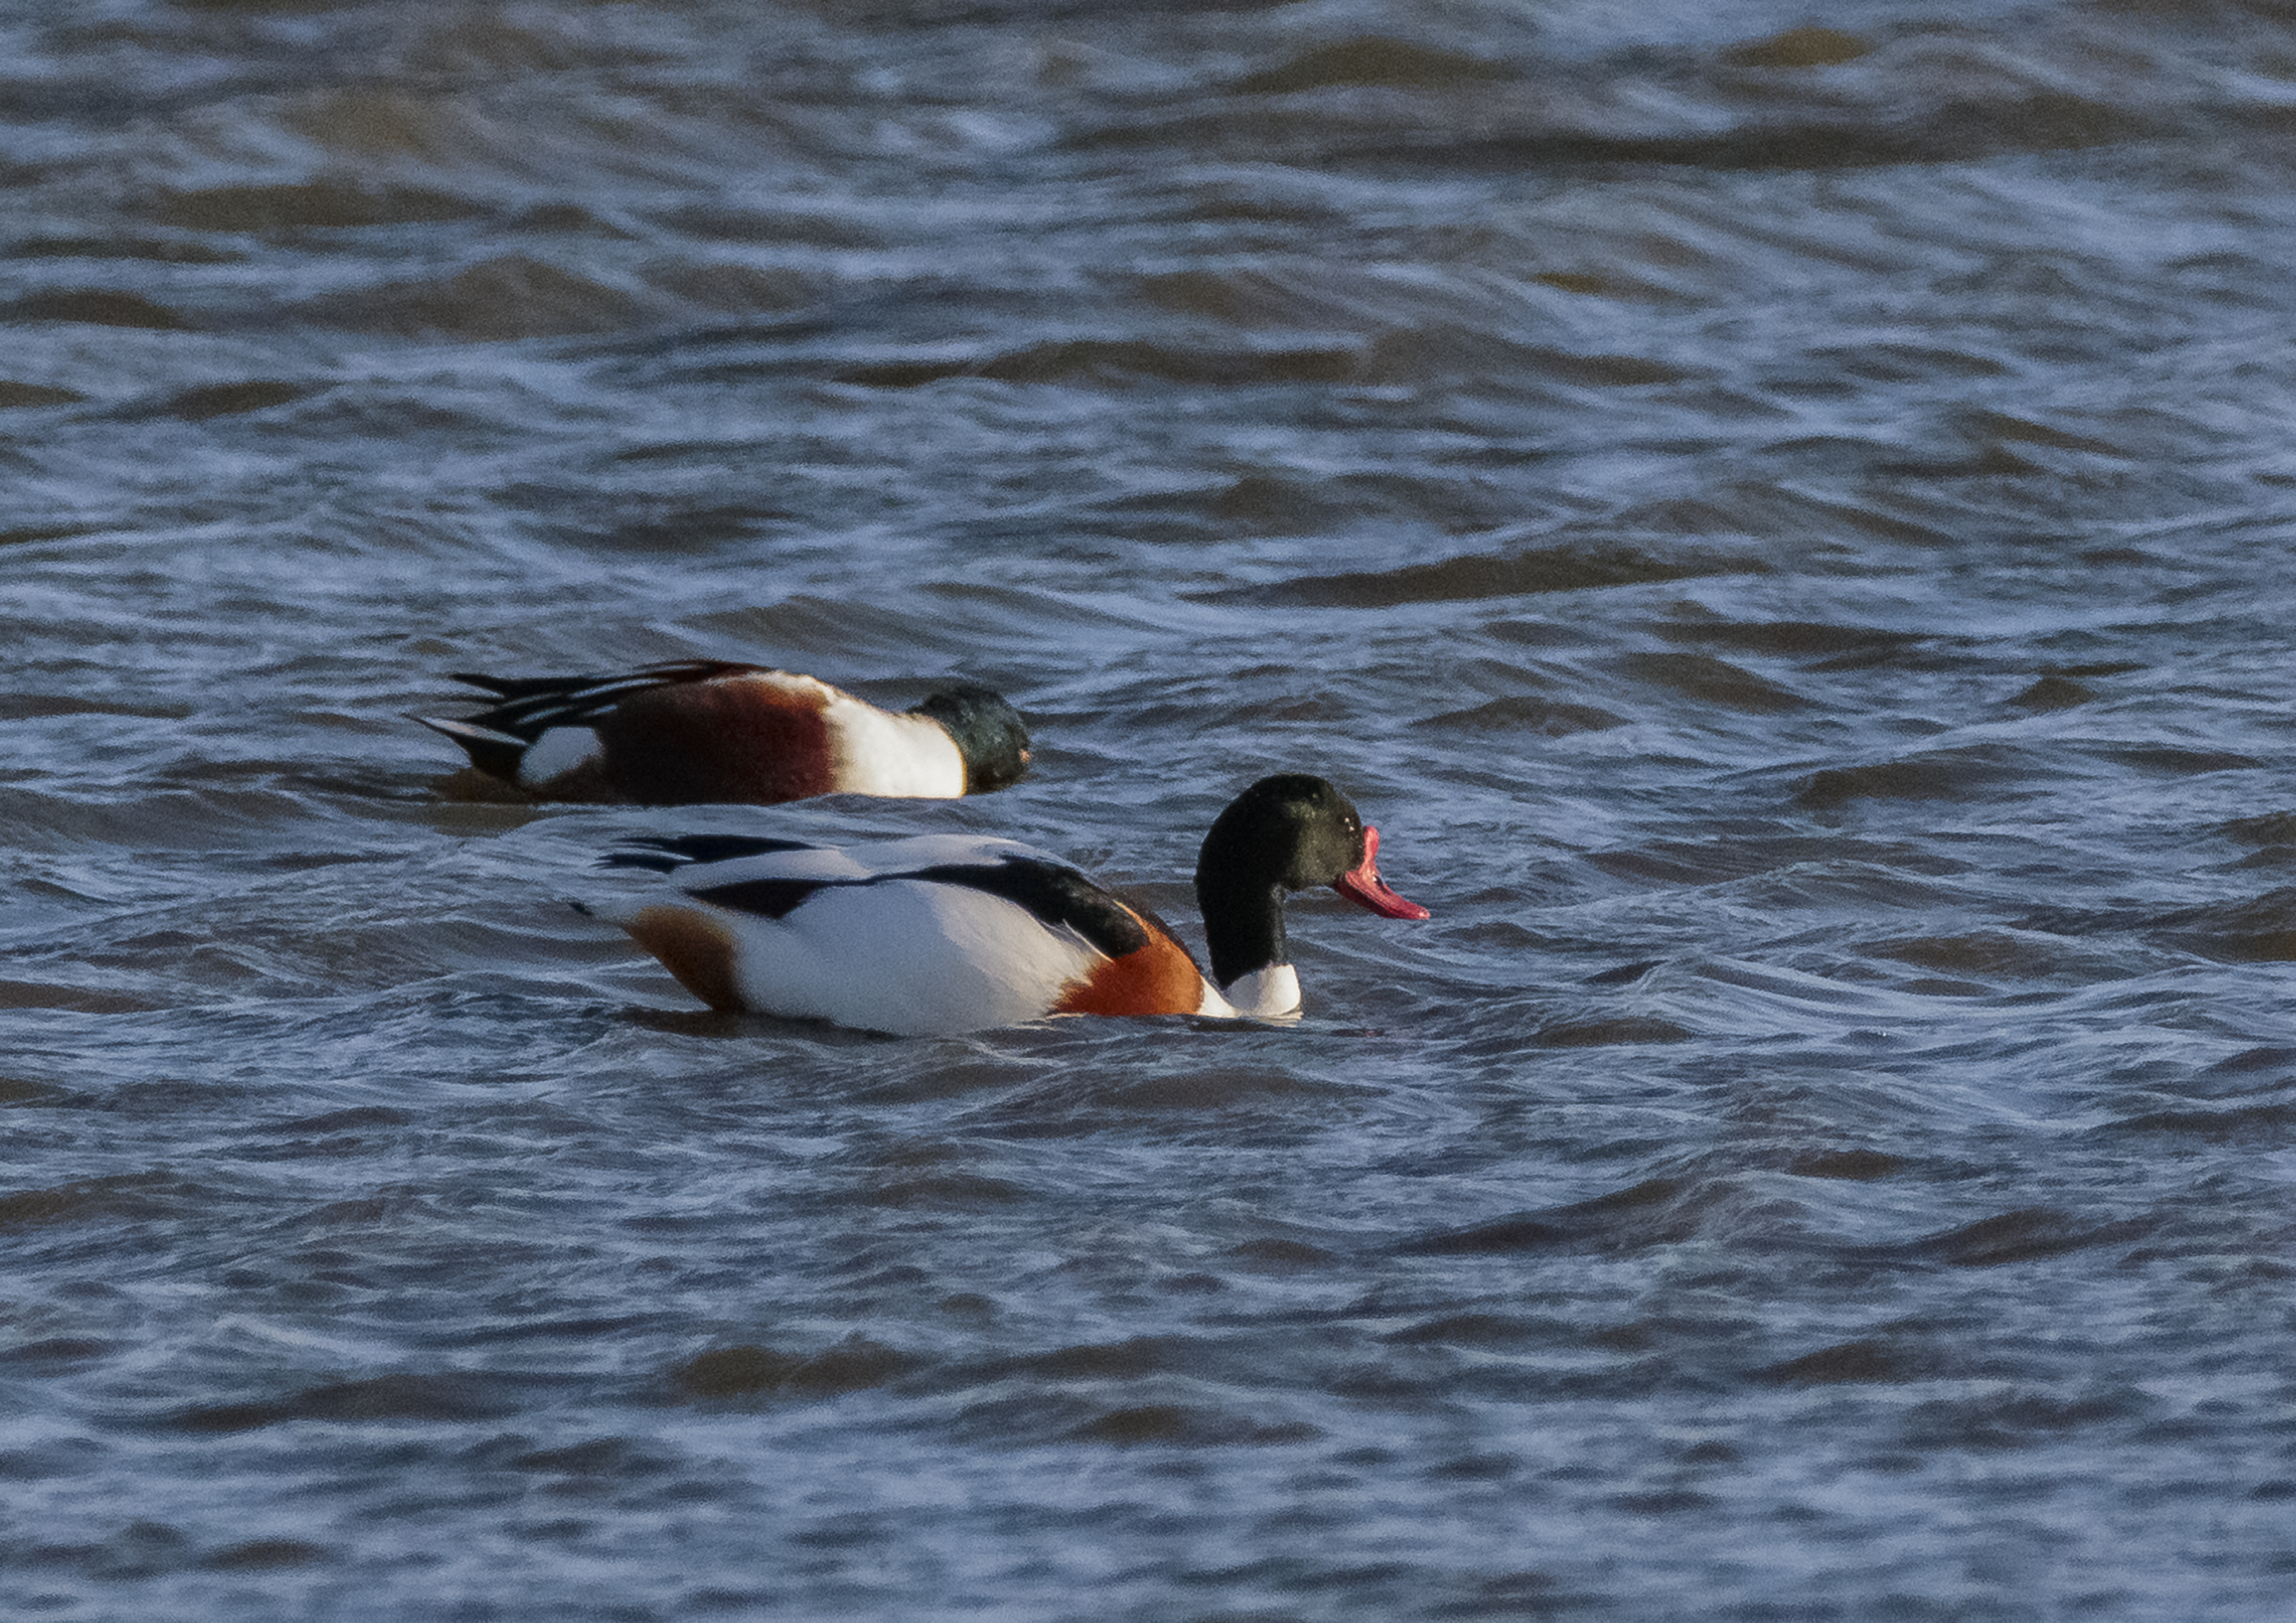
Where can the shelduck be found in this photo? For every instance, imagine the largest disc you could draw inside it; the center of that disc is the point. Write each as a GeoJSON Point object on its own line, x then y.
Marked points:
{"type": "Point", "coordinates": [949, 933]}
{"type": "Point", "coordinates": [701, 730]}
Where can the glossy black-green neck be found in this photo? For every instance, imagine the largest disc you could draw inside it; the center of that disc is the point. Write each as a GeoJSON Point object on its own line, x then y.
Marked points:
{"type": "Point", "coordinates": [990, 734]}
{"type": "Point", "coordinates": [1285, 834]}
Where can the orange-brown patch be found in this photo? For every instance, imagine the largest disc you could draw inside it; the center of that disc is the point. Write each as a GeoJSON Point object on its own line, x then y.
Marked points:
{"type": "Point", "coordinates": [738, 740]}
{"type": "Point", "coordinates": [1158, 979]}
{"type": "Point", "coordinates": [693, 947]}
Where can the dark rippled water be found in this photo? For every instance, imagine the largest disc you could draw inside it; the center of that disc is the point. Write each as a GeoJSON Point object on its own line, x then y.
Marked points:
{"type": "Point", "coordinates": [1787, 528]}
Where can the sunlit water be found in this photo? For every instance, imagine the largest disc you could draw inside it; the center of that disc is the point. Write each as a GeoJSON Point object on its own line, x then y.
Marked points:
{"type": "Point", "coordinates": [1787, 533]}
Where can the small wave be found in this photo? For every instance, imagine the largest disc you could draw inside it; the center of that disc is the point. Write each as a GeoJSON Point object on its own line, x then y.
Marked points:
{"type": "Point", "coordinates": [1712, 681]}
{"type": "Point", "coordinates": [1996, 954]}
{"type": "Point", "coordinates": [1523, 713]}
{"type": "Point", "coordinates": [1187, 1426]}
{"type": "Point", "coordinates": [1816, 640]}
{"type": "Point", "coordinates": [1573, 567]}
{"type": "Point", "coordinates": [2253, 930]}
{"type": "Point", "coordinates": [451, 1398]}
{"type": "Point", "coordinates": [2268, 1124]}
{"type": "Point", "coordinates": [89, 1200]}
{"type": "Point", "coordinates": [1097, 361]}
{"type": "Point", "coordinates": [311, 205]}
{"type": "Point", "coordinates": [208, 401]}
{"type": "Point", "coordinates": [751, 1371]}
{"type": "Point", "coordinates": [1655, 1211]}
{"type": "Point", "coordinates": [510, 296]}
{"type": "Point", "coordinates": [1860, 1361]}
{"type": "Point", "coordinates": [23, 396]}
{"type": "Point", "coordinates": [1969, 773]}
{"type": "Point", "coordinates": [1368, 60]}
{"type": "Point", "coordinates": [94, 307]}
{"type": "Point", "coordinates": [2026, 1234]}
{"type": "Point", "coordinates": [1809, 45]}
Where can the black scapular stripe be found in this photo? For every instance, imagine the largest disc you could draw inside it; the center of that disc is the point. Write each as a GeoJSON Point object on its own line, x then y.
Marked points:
{"type": "Point", "coordinates": [527, 707]}
{"type": "Point", "coordinates": [770, 898]}
{"type": "Point", "coordinates": [1058, 897]}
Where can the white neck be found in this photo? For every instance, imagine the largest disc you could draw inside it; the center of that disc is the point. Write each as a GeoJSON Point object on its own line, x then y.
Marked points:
{"type": "Point", "coordinates": [1269, 994]}
{"type": "Point", "coordinates": [877, 753]}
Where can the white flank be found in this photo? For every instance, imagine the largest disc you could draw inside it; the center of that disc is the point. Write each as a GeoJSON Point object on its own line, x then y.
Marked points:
{"type": "Point", "coordinates": [911, 957]}
{"type": "Point", "coordinates": [906, 956]}
{"type": "Point", "coordinates": [557, 752]}
{"type": "Point", "coordinates": [873, 752]}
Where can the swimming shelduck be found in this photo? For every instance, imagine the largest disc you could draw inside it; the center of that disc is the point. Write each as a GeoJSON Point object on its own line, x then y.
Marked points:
{"type": "Point", "coordinates": [701, 730]}
{"type": "Point", "coordinates": [947, 933]}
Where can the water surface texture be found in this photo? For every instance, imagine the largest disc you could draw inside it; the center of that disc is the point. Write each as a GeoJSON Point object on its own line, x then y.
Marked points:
{"type": "Point", "coordinates": [1785, 528]}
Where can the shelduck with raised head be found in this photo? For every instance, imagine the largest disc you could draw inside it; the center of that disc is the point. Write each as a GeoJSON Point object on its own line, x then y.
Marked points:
{"type": "Point", "coordinates": [709, 730]}
{"type": "Point", "coordinates": [949, 933]}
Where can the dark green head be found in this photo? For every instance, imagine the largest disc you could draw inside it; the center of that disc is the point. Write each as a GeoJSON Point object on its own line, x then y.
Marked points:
{"type": "Point", "coordinates": [1292, 831]}
{"type": "Point", "coordinates": [1287, 832]}
{"type": "Point", "coordinates": [990, 734]}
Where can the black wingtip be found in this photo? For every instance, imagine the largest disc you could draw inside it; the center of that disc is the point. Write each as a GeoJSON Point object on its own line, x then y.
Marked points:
{"type": "Point", "coordinates": [495, 754]}
{"type": "Point", "coordinates": [657, 862]}
{"type": "Point", "coordinates": [1624, 974]}
{"type": "Point", "coordinates": [667, 854]}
